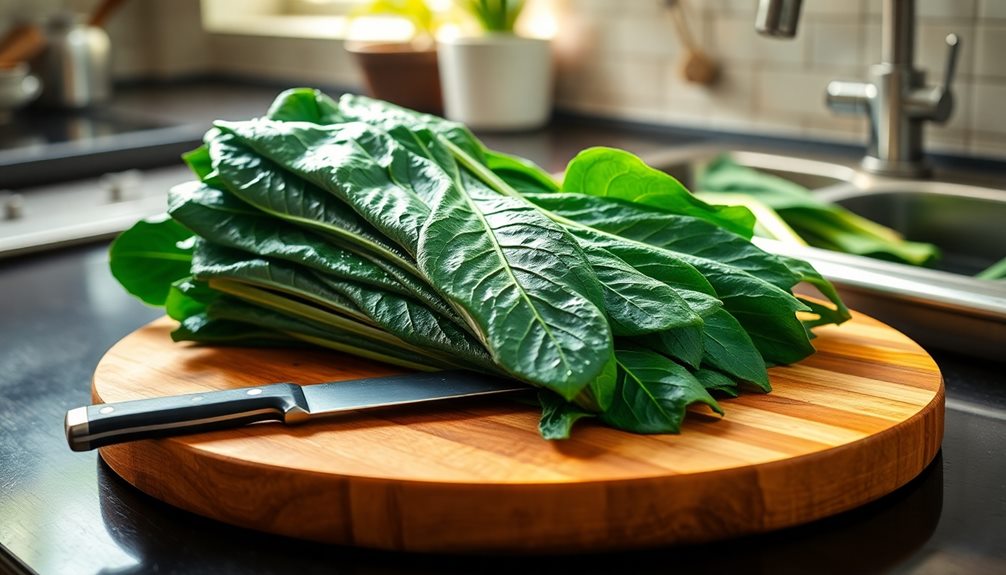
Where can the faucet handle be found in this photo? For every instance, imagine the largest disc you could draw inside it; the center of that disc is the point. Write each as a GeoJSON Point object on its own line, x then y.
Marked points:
{"type": "Point", "coordinates": [936, 103]}
{"type": "Point", "coordinates": [953, 47]}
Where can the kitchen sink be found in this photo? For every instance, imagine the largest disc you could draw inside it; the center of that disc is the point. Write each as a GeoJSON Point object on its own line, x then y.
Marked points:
{"type": "Point", "coordinates": [967, 222]}
{"type": "Point", "coordinates": [943, 306]}
{"type": "Point", "coordinates": [686, 164]}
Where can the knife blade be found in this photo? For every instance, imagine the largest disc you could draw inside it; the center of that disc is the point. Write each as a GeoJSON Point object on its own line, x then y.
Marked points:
{"type": "Point", "coordinates": [98, 425]}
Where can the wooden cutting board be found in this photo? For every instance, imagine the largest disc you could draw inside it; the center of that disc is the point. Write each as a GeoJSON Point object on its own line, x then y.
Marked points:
{"type": "Point", "coordinates": [857, 420]}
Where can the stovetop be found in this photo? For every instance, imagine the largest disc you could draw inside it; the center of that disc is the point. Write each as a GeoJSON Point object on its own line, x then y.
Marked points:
{"type": "Point", "coordinates": [39, 128]}
{"type": "Point", "coordinates": [49, 148]}
{"type": "Point", "coordinates": [70, 177]}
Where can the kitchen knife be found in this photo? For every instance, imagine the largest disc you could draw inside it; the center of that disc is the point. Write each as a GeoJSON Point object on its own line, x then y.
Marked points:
{"type": "Point", "coordinates": [104, 424]}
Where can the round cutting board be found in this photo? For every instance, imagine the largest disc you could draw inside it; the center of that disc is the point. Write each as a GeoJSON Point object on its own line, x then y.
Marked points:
{"type": "Point", "coordinates": [857, 420]}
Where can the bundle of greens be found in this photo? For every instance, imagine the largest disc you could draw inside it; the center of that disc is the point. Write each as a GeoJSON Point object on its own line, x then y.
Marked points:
{"type": "Point", "coordinates": [996, 271]}
{"type": "Point", "coordinates": [396, 236]}
{"type": "Point", "coordinates": [820, 224]}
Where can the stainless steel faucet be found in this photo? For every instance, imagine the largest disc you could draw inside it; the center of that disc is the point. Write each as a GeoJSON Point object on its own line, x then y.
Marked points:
{"type": "Point", "coordinates": [896, 99]}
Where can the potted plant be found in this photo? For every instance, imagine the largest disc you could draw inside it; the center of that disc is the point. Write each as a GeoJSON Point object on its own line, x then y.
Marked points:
{"type": "Point", "coordinates": [402, 72]}
{"type": "Point", "coordinates": [496, 80]}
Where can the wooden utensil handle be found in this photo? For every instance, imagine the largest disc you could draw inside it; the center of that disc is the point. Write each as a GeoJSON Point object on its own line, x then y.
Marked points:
{"type": "Point", "coordinates": [104, 424]}
{"type": "Point", "coordinates": [21, 44]}
{"type": "Point", "coordinates": [102, 12]}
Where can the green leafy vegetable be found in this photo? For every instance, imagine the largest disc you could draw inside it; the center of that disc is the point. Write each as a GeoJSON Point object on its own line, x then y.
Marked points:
{"type": "Point", "coordinates": [618, 174]}
{"type": "Point", "coordinates": [373, 230]}
{"type": "Point", "coordinates": [654, 393]}
{"type": "Point", "coordinates": [558, 416]}
{"type": "Point", "coordinates": [996, 271]}
{"type": "Point", "coordinates": [152, 255]}
{"type": "Point", "coordinates": [523, 280]}
{"type": "Point", "coordinates": [819, 223]}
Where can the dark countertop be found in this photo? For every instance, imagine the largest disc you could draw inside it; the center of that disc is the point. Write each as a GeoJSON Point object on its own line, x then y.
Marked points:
{"type": "Point", "coordinates": [65, 512]}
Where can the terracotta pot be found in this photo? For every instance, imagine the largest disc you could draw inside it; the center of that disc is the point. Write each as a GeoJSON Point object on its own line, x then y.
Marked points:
{"type": "Point", "coordinates": [401, 74]}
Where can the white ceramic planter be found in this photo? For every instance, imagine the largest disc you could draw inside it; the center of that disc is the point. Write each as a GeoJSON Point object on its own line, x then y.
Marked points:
{"type": "Point", "coordinates": [496, 82]}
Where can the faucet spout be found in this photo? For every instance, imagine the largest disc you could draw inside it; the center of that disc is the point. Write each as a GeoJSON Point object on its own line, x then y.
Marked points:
{"type": "Point", "coordinates": [778, 17]}
{"type": "Point", "coordinates": [896, 98]}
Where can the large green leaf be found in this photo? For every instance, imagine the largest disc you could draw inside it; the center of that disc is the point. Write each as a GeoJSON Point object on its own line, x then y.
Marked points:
{"type": "Point", "coordinates": [304, 105]}
{"type": "Point", "coordinates": [821, 224]}
{"type": "Point", "coordinates": [674, 232]}
{"type": "Point", "coordinates": [213, 262]}
{"type": "Point", "coordinates": [690, 236]}
{"type": "Point", "coordinates": [188, 297]}
{"type": "Point", "coordinates": [203, 329]}
{"type": "Point", "coordinates": [261, 183]}
{"type": "Point", "coordinates": [523, 280]}
{"type": "Point", "coordinates": [996, 271]}
{"type": "Point", "coordinates": [522, 175]}
{"type": "Point", "coordinates": [634, 302]}
{"type": "Point", "coordinates": [280, 302]}
{"type": "Point", "coordinates": [227, 221]}
{"type": "Point", "coordinates": [653, 393]}
{"type": "Point", "coordinates": [727, 347]}
{"type": "Point", "coordinates": [392, 118]}
{"type": "Point", "coordinates": [364, 167]}
{"type": "Point", "coordinates": [767, 312]}
{"type": "Point", "coordinates": [613, 173]}
{"type": "Point", "coordinates": [659, 264]}
{"type": "Point", "coordinates": [148, 257]}
{"type": "Point", "coordinates": [402, 317]}
{"type": "Point", "coordinates": [683, 344]}
{"type": "Point", "coordinates": [558, 415]}
{"type": "Point", "coordinates": [199, 162]}
{"type": "Point", "coordinates": [321, 334]}
{"type": "Point", "coordinates": [715, 381]}
{"type": "Point", "coordinates": [413, 322]}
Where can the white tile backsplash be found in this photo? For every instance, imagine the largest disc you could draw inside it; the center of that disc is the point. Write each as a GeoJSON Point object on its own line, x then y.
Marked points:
{"type": "Point", "coordinates": [777, 86]}
{"type": "Point", "coordinates": [991, 9]}
{"type": "Point", "coordinates": [988, 113]}
{"type": "Point", "coordinates": [732, 39]}
{"type": "Point", "coordinates": [933, 9]}
{"type": "Point", "coordinates": [796, 92]}
{"type": "Point", "coordinates": [814, 8]}
{"type": "Point", "coordinates": [792, 51]}
{"type": "Point", "coordinates": [990, 43]}
{"type": "Point", "coordinates": [836, 43]}
{"type": "Point", "coordinates": [632, 36]}
{"type": "Point", "coordinates": [945, 9]}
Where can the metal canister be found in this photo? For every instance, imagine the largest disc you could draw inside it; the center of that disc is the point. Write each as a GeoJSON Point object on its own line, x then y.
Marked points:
{"type": "Point", "coordinates": [75, 66]}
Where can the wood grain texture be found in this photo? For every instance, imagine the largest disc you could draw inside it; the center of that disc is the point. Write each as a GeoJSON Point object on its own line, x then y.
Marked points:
{"type": "Point", "coordinates": [855, 421]}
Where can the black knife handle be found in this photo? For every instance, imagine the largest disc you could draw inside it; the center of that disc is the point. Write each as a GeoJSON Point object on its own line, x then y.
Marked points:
{"type": "Point", "coordinates": [104, 424]}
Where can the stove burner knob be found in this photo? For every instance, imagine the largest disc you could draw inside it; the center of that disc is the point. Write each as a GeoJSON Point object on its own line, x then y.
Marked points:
{"type": "Point", "coordinates": [13, 206]}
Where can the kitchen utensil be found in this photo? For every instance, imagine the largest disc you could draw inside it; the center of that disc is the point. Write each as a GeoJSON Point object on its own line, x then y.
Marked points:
{"type": "Point", "coordinates": [853, 422]}
{"type": "Point", "coordinates": [17, 88]}
{"type": "Point", "coordinates": [104, 10]}
{"type": "Point", "coordinates": [21, 44]}
{"type": "Point", "coordinates": [75, 65]}
{"type": "Point", "coordinates": [97, 425]}
{"type": "Point", "coordinates": [698, 67]}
